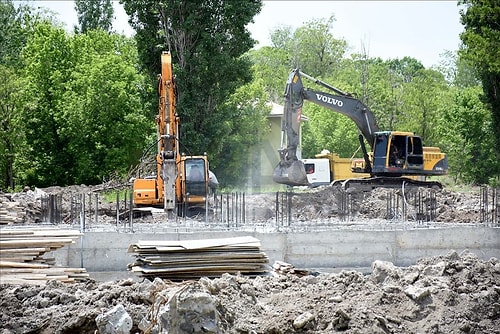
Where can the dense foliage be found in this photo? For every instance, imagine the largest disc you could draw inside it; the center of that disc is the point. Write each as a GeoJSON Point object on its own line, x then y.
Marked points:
{"type": "Point", "coordinates": [481, 39]}
{"type": "Point", "coordinates": [78, 108]}
{"type": "Point", "coordinates": [85, 110]}
{"type": "Point", "coordinates": [94, 14]}
{"type": "Point", "coordinates": [15, 27]}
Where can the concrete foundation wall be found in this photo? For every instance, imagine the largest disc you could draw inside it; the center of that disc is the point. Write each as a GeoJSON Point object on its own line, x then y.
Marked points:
{"type": "Point", "coordinates": [107, 251]}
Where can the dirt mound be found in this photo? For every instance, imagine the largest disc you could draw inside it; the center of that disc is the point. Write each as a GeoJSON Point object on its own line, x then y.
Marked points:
{"type": "Point", "coordinates": [446, 294]}
{"type": "Point", "coordinates": [447, 206]}
{"type": "Point", "coordinates": [322, 203]}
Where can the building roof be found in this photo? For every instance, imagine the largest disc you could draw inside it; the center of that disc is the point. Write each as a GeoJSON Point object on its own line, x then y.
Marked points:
{"type": "Point", "coordinates": [277, 111]}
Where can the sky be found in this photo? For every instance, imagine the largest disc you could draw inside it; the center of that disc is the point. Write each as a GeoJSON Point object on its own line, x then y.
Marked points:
{"type": "Point", "coordinates": [386, 29]}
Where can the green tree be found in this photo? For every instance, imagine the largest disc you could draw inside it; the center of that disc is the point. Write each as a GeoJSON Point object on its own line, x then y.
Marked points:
{"type": "Point", "coordinates": [282, 37]}
{"type": "Point", "coordinates": [86, 119]}
{"type": "Point", "coordinates": [373, 82]}
{"type": "Point", "coordinates": [424, 97]}
{"type": "Point", "coordinates": [319, 51]}
{"type": "Point", "coordinates": [208, 40]}
{"type": "Point", "coordinates": [47, 71]}
{"type": "Point", "coordinates": [11, 33]}
{"type": "Point", "coordinates": [481, 39]}
{"type": "Point", "coordinates": [456, 70]}
{"type": "Point", "coordinates": [18, 23]}
{"type": "Point", "coordinates": [270, 69]}
{"type": "Point", "coordinates": [239, 157]}
{"type": "Point", "coordinates": [94, 14]}
{"type": "Point", "coordinates": [104, 120]}
{"type": "Point", "coordinates": [312, 47]}
{"type": "Point", "coordinates": [328, 130]}
{"type": "Point", "coordinates": [11, 131]}
{"type": "Point", "coordinates": [467, 137]}
{"type": "Point", "coordinates": [406, 68]}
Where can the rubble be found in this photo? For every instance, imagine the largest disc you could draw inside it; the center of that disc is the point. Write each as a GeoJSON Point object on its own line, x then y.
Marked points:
{"type": "Point", "coordinates": [452, 293]}
{"type": "Point", "coordinates": [19, 208]}
{"type": "Point", "coordinates": [114, 321]}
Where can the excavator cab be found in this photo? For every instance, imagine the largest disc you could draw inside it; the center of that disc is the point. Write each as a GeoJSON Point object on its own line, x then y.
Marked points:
{"type": "Point", "coordinates": [397, 153]}
{"type": "Point", "coordinates": [192, 191]}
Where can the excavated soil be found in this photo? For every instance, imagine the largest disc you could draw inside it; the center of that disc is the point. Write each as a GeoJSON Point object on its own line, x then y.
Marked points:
{"type": "Point", "coordinates": [318, 204]}
{"type": "Point", "coordinates": [452, 293]}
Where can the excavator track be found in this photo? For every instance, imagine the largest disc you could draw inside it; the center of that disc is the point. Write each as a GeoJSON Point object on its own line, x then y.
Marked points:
{"type": "Point", "coordinates": [370, 183]}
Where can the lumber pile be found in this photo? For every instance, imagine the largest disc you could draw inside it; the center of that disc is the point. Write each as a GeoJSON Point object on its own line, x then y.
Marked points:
{"type": "Point", "coordinates": [10, 212]}
{"type": "Point", "coordinates": [22, 258]}
{"type": "Point", "coordinates": [192, 259]}
{"type": "Point", "coordinates": [18, 208]}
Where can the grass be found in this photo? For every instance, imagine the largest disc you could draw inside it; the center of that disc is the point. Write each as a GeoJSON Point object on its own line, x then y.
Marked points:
{"type": "Point", "coordinates": [110, 196]}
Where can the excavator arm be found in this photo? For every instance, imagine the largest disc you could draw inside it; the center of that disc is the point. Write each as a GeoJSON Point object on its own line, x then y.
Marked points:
{"type": "Point", "coordinates": [290, 170]}
{"type": "Point", "coordinates": [349, 106]}
{"type": "Point", "coordinates": [172, 187]}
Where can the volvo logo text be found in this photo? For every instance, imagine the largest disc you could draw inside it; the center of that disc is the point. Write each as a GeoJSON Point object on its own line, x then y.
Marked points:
{"type": "Point", "coordinates": [329, 100]}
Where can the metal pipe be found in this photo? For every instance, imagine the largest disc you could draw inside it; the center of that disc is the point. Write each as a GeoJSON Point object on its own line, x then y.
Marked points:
{"type": "Point", "coordinates": [83, 211]}
{"type": "Point", "coordinates": [131, 212]}
{"type": "Point", "coordinates": [117, 209]}
{"type": "Point", "coordinates": [82, 230]}
{"type": "Point", "coordinates": [96, 207]}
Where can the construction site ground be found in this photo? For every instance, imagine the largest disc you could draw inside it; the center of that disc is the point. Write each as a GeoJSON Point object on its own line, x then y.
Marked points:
{"type": "Point", "coordinates": [456, 292]}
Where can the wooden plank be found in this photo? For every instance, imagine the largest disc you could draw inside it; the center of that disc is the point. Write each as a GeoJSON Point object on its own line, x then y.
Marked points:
{"type": "Point", "coordinates": [18, 281]}
{"type": "Point", "coordinates": [28, 243]}
{"type": "Point", "coordinates": [195, 244]}
{"type": "Point", "coordinates": [37, 250]}
{"type": "Point", "coordinates": [221, 268]}
{"type": "Point", "coordinates": [49, 270]}
{"type": "Point", "coordinates": [201, 256]}
{"type": "Point", "coordinates": [25, 276]}
{"type": "Point", "coordinates": [197, 258]}
{"type": "Point", "coordinates": [17, 258]}
{"type": "Point", "coordinates": [22, 265]}
{"type": "Point", "coordinates": [5, 232]}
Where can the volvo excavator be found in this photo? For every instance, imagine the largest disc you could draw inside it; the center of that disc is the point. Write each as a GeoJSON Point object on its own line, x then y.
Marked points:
{"type": "Point", "coordinates": [395, 157]}
{"type": "Point", "coordinates": [181, 182]}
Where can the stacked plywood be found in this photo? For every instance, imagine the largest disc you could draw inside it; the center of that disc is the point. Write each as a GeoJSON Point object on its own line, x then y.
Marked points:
{"type": "Point", "coordinates": [22, 256]}
{"type": "Point", "coordinates": [192, 259]}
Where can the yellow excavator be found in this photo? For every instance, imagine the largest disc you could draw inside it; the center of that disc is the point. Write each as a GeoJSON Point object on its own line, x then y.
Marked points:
{"type": "Point", "coordinates": [395, 158]}
{"type": "Point", "coordinates": [181, 182]}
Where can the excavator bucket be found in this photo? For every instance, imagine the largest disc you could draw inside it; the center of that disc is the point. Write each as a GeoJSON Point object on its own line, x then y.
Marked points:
{"type": "Point", "coordinates": [290, 170]}
{"type": "Point", "coordinates": [292, 173]}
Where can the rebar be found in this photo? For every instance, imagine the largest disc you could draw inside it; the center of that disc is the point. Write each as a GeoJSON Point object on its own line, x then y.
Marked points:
{"type": "Point", "coordinates": [489, 209]}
